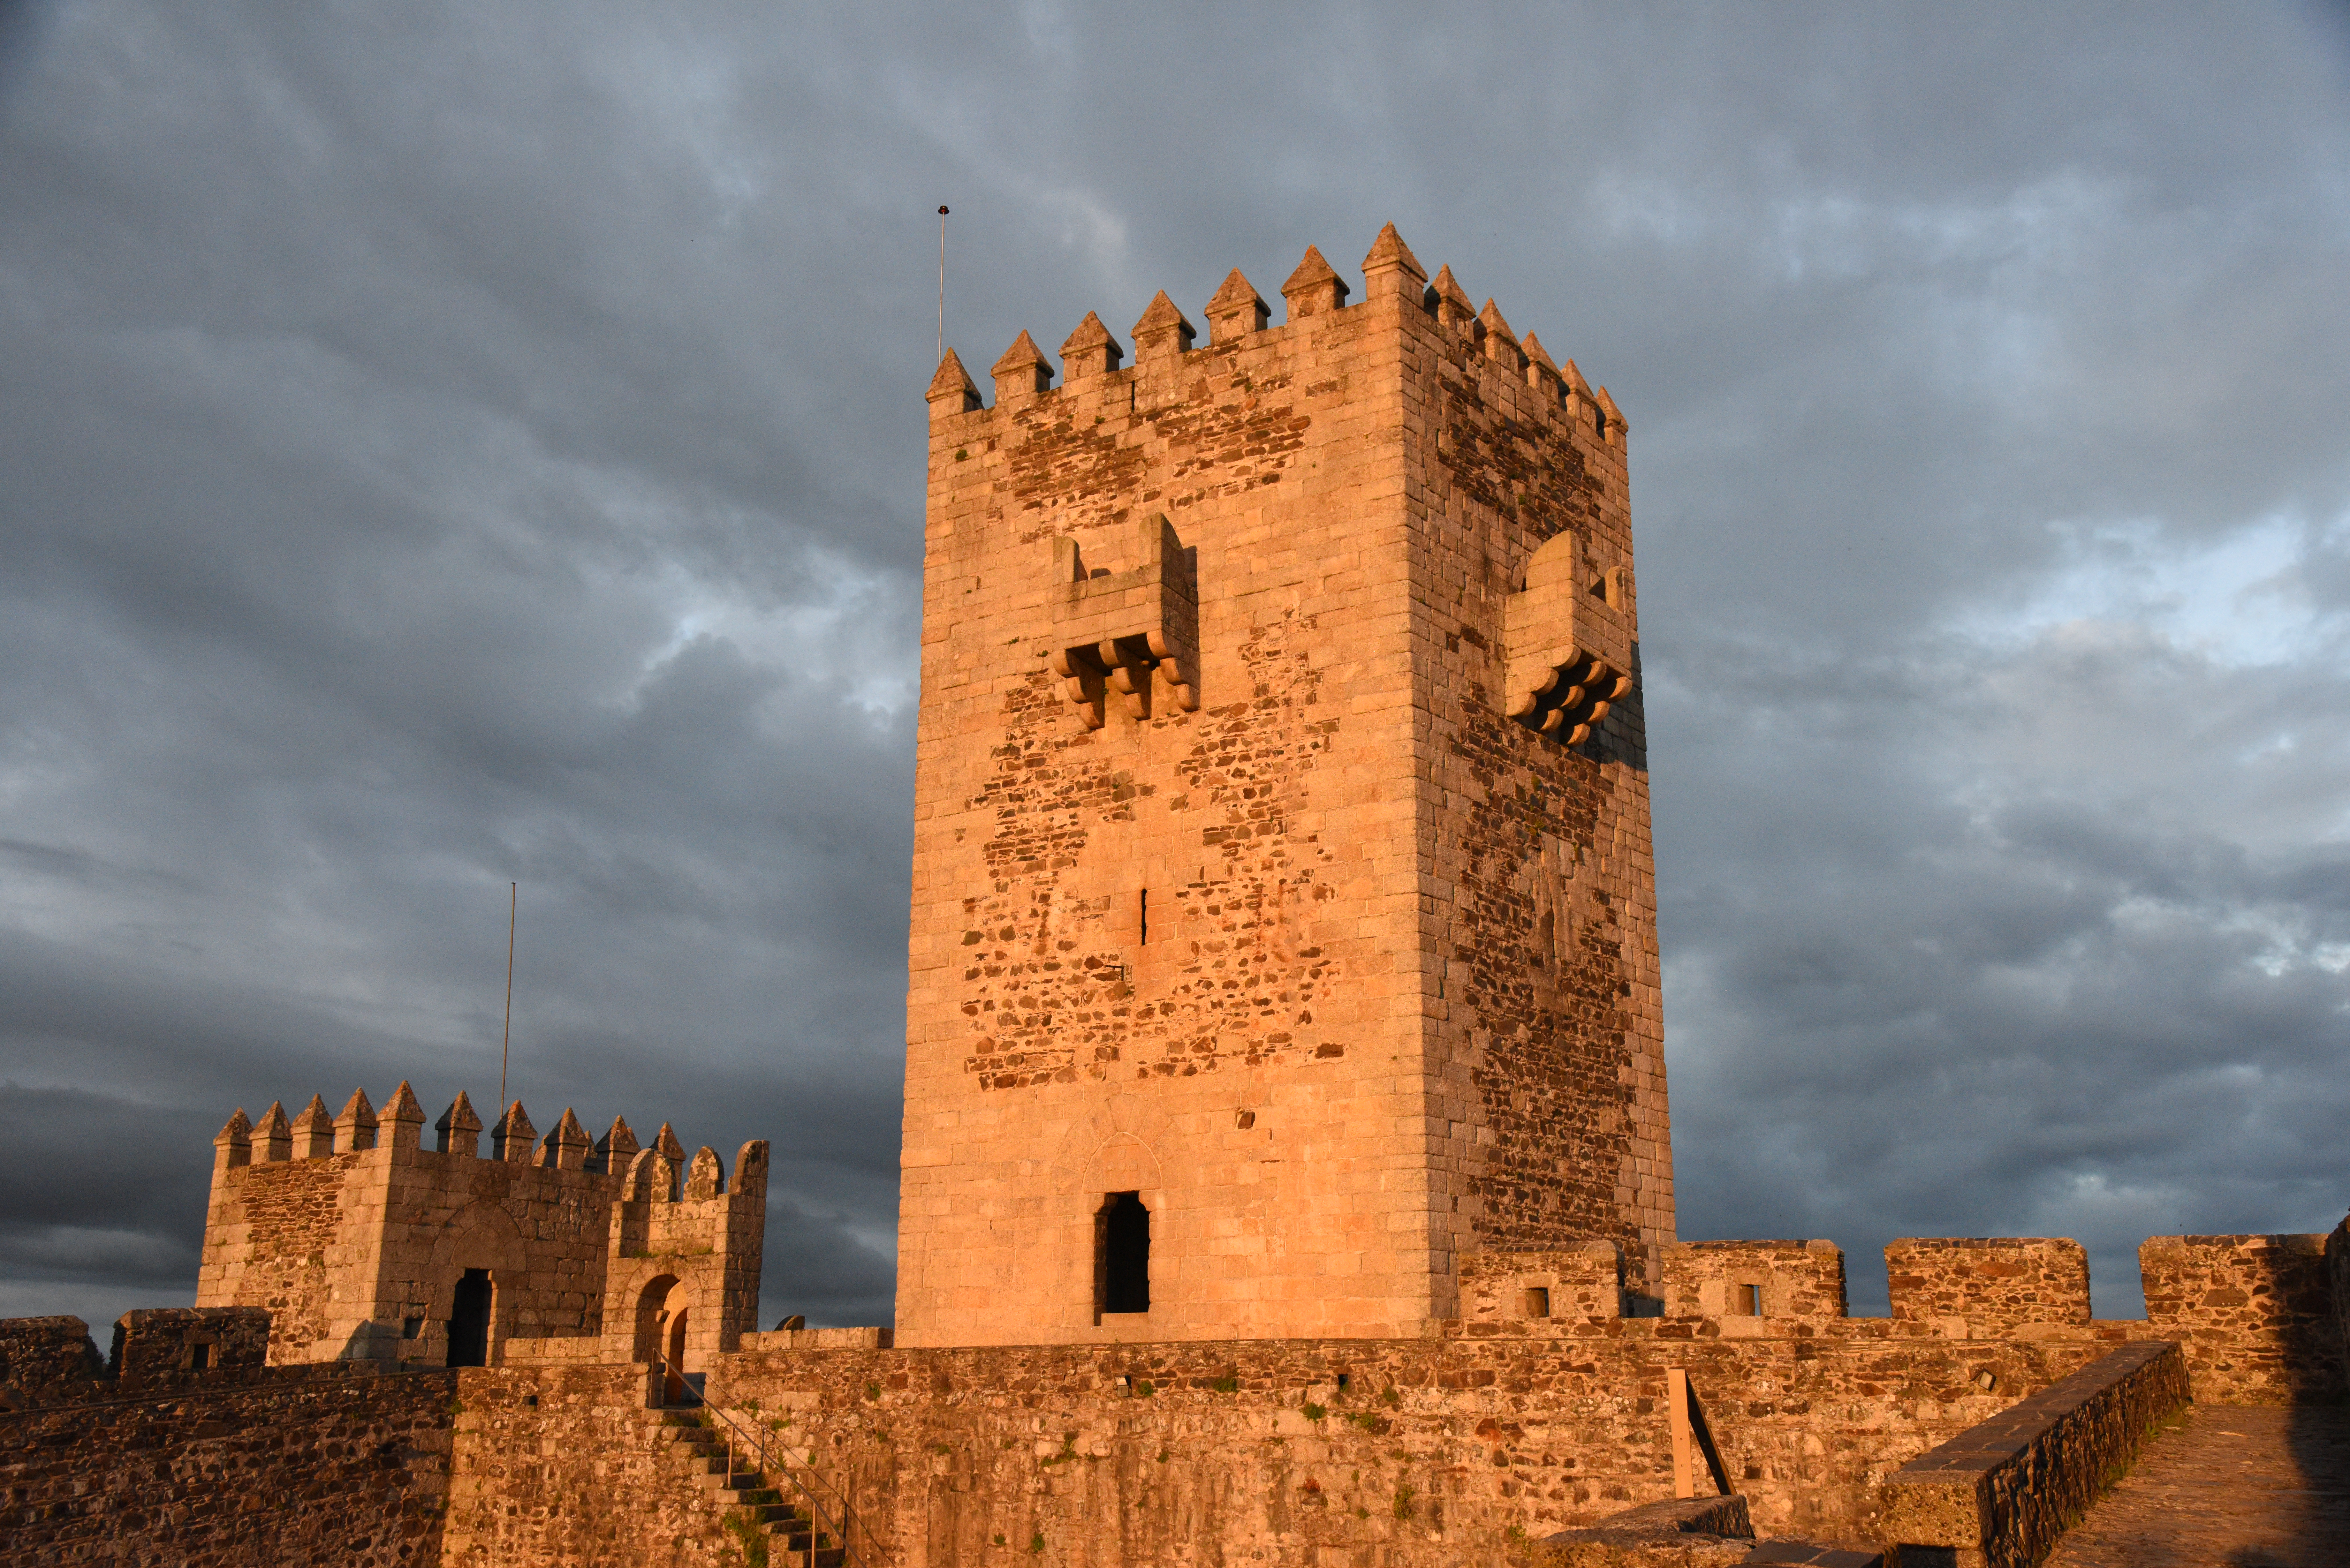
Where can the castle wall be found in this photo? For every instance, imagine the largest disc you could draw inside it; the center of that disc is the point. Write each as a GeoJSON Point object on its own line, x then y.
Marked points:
{"type": "Point", "coordinates": [291, 1465]}
{"type": "Point", "coordinates": [46, 1361]}
{"type": "Point", "coordinates": [2256, 1316]}
{"type": "Point", "coordinates": [1208, 1452]}
{"type": "Point", "coordinates": [1986, 1286]}
{"type": "Point", "coordinates": [160, 1348]}
{"type": "Point", "coordinates": [1790, 1278]}
{"type": "Point", "coordinates": [1540, 991]}
{"type": "Point", "coordinates": [560, 1466]}
{"type": "Point", "coordinates": [1195, 943]}
{"type": "Point", "coordinates": [358, 1252]}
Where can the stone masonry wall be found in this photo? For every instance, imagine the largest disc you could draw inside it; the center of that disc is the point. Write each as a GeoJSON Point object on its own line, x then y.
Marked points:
{"type": "Point", "coordinates": [1394, 1452]}
{"type": "Point", "coordinates": [1792, 1278]}
{"type": "Point", "coordinates": [46, 1361]}
{"type": "Point", "coordinates": [161, 1348]}
{"type": "Point", "coordinates": [1584, 1281]}
{"type": "Point", "coordinates": [553, 1467]}
{"type": "Point", "coordinates": [1540, 987]}
{"type": "Point", "coordinates": [2337, 1274]}
{"type": "Point", "coordinates": [1988, 1286]}
{"type": "Point", "coordinates": [298, 1465]}
{"type": "Point", "coordinates": [1221, 939]}
{"type": "Point", "coordinates": [2256, 1315]}
{"type": "Point", "coordinates": [354, 1238]}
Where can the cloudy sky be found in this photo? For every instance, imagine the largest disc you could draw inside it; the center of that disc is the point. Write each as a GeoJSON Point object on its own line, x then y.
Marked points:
{"type": "Point", "coordinates": [444, 446]}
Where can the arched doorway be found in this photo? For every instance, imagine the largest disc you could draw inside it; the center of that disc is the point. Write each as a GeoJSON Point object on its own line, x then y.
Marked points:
{"type": "Point", "coordinates": [469, 1320]}
{"type": "Point", "coordinates": [661, 1316]}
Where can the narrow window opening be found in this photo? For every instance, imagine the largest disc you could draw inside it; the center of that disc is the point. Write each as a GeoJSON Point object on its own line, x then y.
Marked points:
{"type": "Point", "coordinates": [199, 1357]}
{"type": "Point", "coordinates": [1537, 1301]}
{"type": "Point", "coordinates": [1142, 917]}
{"type": "Point", "coordinates": [1749, 1300]}
{"type": "Point", "coordinates": [469, 1323]}
{"type": "Point", "coordinates": [1123, 1276]}
{"type": "Point", "coordinates": [411, 1328]}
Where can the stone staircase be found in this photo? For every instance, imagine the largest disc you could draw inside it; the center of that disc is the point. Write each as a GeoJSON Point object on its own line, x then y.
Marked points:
{"type": "Point", "coordinates": [784, 1529]}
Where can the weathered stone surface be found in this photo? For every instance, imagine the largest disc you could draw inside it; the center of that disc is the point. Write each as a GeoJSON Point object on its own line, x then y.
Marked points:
{"type": "Point", "coordinates": [303, 1465]}
{"type": "Point", "coordinates": [46, 1361]}
{"type": "Point", "coordinates": [357, 1254]}
{"type": "Point", "coordinates": [2000, 1494]}
{"type": "Point", "coordinates": [1989, 1285]}
{"type": "Point", "coordinates": [2256, 1316]}
{"type": "Point", "coordinates": [1481, 1435]}
{"type": "Point", "coordinates": [161, 1348]}
{"type": "Point", "coordinates": [1343, 972]}
{"type": "Point", "coordinates": [2226, 1484]}
{"type": "Point", "coordinates": [1785, 1279]}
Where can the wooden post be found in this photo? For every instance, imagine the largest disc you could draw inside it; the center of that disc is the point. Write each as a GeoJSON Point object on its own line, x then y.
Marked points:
{"type": "Point", "coordinates": [1677, 1404]}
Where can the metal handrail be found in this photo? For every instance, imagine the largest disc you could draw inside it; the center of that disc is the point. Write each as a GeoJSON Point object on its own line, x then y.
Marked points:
{"type": "Point", "coordinates": [769, 1463]}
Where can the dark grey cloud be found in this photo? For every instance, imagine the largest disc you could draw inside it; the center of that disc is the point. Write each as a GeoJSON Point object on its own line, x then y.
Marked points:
{"type": "Point", "coordinates": [443, 447]}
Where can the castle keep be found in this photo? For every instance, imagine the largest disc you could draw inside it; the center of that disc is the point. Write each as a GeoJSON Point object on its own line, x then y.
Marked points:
{"type": "Point", "coordinates": [1284, 912]}
{"type": "Point", "coordinates": [1288, 1177]}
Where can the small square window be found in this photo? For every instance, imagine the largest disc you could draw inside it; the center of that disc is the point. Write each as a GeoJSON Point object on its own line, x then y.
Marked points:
{"type": "Point", "coordinates": [1749, 1301]}
{"type": "Point", "coordinates": [1537, 1301]}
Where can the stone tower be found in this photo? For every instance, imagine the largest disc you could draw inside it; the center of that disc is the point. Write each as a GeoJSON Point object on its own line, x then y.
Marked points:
{"type": "Point", "coordinates": [1283, 916]}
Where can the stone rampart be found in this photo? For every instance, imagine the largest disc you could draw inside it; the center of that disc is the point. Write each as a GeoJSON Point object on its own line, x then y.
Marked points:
{"type": "Point", "coordinates": [1989, 1286]}
{"type": "Point", "coordinates": [2000, 1494]}
{"type": "Point", "coordinates": [557, 1466]}
{"type": "Point", "coordinates": [1745, 1283]}
{"type": "Point", "coordinates": [301, 1465]}
{"type": "Point", "coordinates": [2256, 1315]}
{"type": "Point", "coordinates": [1583, 1281]}
{"type": "Point", "coordinates": [157, 1349]}
{"type": "Point", "coordinates": [1404, 1452]}
{"type": "Point", "coordinates": [46, 1361]}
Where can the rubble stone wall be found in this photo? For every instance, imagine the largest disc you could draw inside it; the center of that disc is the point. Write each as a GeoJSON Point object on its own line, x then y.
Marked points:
{"type": "Point", "coordinates": [331, 1464]}
{"type": "Point", "coordinates": [47, 1361]}
{"type": "Point", "coordinates": [2257, 1316]}
{"type": "Point", "coordinates": [1401, 1452]}
{"type": "Point", "coordinates": [2002, 1493]}
{"type": "Point", "coordinates": [1989, 1285]}
{"type": "Point", "coordinates": [1788, 1279]}
{"type": "Point", "coordinates": [160, 1348]}
{"type": "Point", "coordinates": [553, 1467]}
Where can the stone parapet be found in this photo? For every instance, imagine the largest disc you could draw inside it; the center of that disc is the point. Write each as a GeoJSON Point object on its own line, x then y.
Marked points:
{"type": "Point", "coordinates": [2000, 1494]}
{"type": "Point", "coordinates": [296, 1465]}
{"type": "Point", "coordinates": [1989, 1286]}
{"type": "Point", "coordinates": [161, 1348]}
{"type": "Point", "coordinates": [46, 1361]}
{"type": "Point", "coordinates": [1577, 1283]}
{"type": "Point", "coordinates": [1750, 1283]}
{"type": "Point", "coordinates": [2257, 1316]}
{"type": "Point", "coordinates": [1403, 1451]}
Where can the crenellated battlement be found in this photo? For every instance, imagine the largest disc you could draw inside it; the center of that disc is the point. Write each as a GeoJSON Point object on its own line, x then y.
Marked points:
{"type": "Point", "coordinates": [365, 1244]}
{"type": "Point", "coordinates": [655, 1174]}
{"type": "Point", "coordinates": [1093, 361]}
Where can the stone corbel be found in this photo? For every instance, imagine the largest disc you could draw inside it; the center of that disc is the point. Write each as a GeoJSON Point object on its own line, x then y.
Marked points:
{"type": "Point", "coordinates": [1127, 633]}
{"type": "Point", "coordinates": [1569, 639]}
